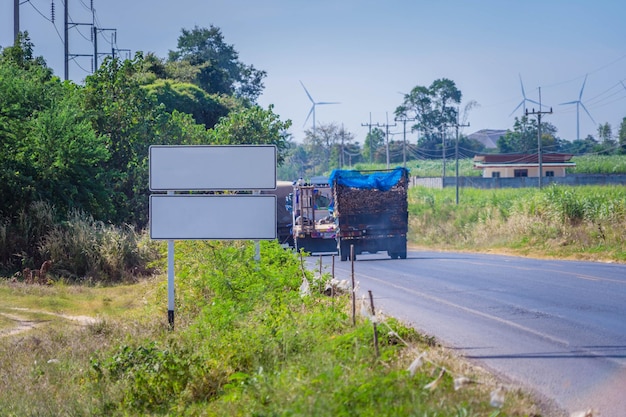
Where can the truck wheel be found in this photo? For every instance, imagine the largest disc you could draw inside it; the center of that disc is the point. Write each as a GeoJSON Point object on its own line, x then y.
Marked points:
{"type": "Point", "coordinates": [403, 255]}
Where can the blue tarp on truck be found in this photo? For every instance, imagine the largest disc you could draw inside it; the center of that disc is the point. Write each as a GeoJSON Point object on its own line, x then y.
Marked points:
{"type": "Point", "coordinates": [374, 180]}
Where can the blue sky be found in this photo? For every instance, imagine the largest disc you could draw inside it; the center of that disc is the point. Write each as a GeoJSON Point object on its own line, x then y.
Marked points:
{"type": "Point", "coordinates": [365, 54]}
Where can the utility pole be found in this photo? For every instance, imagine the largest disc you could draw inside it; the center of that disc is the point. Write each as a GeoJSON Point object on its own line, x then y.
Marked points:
{"type": "Point", "coordinates": [66, 45]}
{"type": "Point", "coordinates": [456, 154]}
{"type": "Point", "coordinates": [539, 113]}
{"type": "Point", "coordinates": [386, 126]}
{"type": "Point", "coordinates": [16, 20]}
{"type": "Point", "coordinates": [67, 26]}
{"type": "Point", "coordinates": [369, 135]}
{"type": "Point", "coordinates": [404, 119]}
{"type": "Point", "coordinates": [96, 30]}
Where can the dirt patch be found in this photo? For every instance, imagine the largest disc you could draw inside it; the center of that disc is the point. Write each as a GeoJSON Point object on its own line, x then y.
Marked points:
{"type": "Point", "coordinates": [25, 324]}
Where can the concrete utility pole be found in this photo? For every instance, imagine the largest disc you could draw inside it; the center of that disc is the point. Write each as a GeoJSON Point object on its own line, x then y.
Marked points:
{"type": "Point", "coordinates": [539, 113]}
{"type": "Point", "coordinates": [404, 119]}
{"type": "Point", "coordinates": [386, 126]}
{"type": "Point", "coordinates": [369, 135]}
{"type": "Point", "coordinates": [456, 154]}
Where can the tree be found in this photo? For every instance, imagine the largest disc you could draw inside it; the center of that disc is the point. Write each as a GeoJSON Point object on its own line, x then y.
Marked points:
{"type": "Point", "coordinates": [68, 158]}
{"type": "Point", "coordinates": [607, 142]}
{"type": "Point", "coordinates": [578, 146]}
{"type": "Point", "coordinates": [219, 68]}
{"type": "Point", "coordinates": [131, 120]}
{"type": "Point", "coordinates": [48, 149]}
{"type": "Point", "coordinates": [433, 108]}
{"type": "Point", "coordinates": [254, 125]}
{"type": "Point", "coordinates": [325, 146]}
{"type": "Point", "coordinates": [21, 54]}
{"type": "Point", "coordinates": [373, 142]}
{"type": "Point", "coordinates": [622, 137]}
{"type": "Point", "coordinates": [523, 137]}
{"type": "Point", "coordinates": [188, 98]}
{"type": "Point", "coordinates": [296, 162]}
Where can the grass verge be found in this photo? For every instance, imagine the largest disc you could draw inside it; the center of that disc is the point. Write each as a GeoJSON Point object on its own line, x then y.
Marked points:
{"type": "Point", "coordinates": [247, 343]}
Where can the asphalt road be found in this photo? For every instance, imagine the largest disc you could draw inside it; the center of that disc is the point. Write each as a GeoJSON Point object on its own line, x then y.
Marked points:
{"type": "Point", "coordinates": [557, 327]}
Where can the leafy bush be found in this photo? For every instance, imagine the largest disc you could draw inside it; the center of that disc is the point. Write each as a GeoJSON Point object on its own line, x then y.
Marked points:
{"type": "Point", "coordinates": [151, 376]}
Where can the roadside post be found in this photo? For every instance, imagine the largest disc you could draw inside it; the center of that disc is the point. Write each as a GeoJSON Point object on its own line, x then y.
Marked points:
{"type": "Point", "coordinates": [199, 171]}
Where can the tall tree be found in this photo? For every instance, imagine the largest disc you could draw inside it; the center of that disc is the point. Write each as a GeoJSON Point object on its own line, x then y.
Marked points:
{"type": "Point", "coordinates": [254, 125]}
{"type": "Point", "coordinates": [622, 137]}
{"type": "Point", "coordinates": [605, 135]}
{"type": "Point", "coordinates": [188, 98]}
{"type": "Point", "coordinates": [373, 142]}
{"type": "Point", "coordinates": [325, 145]}
{"type": "Point", "coordinates": [131, 120]}
{"type": "Point", "coordinates": [219, 68]}
{"type": "Point", "coordinates": [433, 108]}
{"type": "Point", "coordinates": [48, 149]}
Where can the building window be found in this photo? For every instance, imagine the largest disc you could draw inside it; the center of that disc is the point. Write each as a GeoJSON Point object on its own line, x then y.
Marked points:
{"type": "Point", "coordinates": [495, 174]}
{"type": "Point", "coordinates": [549, 173]}
{"type": "Point", "coordinates": [521, 173]}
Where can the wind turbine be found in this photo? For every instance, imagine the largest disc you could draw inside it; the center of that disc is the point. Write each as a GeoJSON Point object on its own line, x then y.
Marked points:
{"type": "Point", "coordinates": [580, 104]}
{"type": "Point", "coordinates": [315, 103]}
{"type": "Point", "coordinates": [522, 104]}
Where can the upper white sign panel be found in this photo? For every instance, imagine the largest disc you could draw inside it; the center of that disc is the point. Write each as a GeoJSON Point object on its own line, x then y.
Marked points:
{"type": "Point", "coordinates": [212, 168]}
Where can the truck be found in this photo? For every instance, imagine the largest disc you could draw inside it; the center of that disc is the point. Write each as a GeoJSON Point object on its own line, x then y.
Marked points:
{"type": "Point", "coordinates": [283, 216]}
{"type": "Point", "coordinates": [371, 211]}
{"type": "Point", "coordinates": [313, 226]}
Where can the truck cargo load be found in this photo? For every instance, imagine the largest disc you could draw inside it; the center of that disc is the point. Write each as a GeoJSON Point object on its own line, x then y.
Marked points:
{"type": "Point", "coordinates": [371, 211]}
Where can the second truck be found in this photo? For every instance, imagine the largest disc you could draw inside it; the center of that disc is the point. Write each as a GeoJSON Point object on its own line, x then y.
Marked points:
{"type": "Point", "coordinates": [370, 209]}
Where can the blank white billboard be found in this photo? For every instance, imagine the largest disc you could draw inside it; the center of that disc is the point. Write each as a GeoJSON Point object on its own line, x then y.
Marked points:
{"type": "Point", "coordinates": [212, 167]}
{"type": "Point", "coordinates": [218, 217]}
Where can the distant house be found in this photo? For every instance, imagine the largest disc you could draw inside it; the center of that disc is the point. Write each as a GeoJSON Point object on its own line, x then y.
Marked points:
{"type": "Point", "coordinates": [488, 137]}
{"type": "Point", "coordinates": [523, 165]}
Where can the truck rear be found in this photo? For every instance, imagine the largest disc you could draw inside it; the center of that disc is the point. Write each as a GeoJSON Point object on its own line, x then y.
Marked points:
{"type": "Point", "coordinates": [371, 211]}
{"type": "Point", "coordinates": [313, 226]}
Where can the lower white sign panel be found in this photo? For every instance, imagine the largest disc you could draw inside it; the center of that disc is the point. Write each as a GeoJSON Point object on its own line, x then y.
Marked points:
{"type": "Point", "coordinates": [219, 217]}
